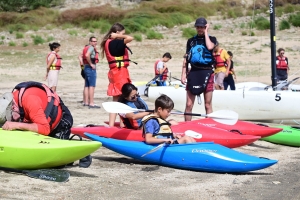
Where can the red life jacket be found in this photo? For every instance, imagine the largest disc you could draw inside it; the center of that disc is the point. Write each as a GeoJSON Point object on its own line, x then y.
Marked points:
{"type": "Point", "coordinates": [219, 62]}
{"type": "Point", "coordinates": [282, 63]}
{"type": "Point", "coordinates": [164, 75]}
{"type": "Point", "coordinates": [57, 65]}
{"type": "Point", "coordinates": [53, 105]}
{"type": "Point", "coordinates": [113, 62]}
{"type": "Point", "coordinates": [94, 60]}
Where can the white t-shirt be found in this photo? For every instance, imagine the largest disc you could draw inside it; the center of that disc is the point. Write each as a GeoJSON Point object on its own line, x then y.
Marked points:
{"type": "Point", "coordinates": [160, 65]}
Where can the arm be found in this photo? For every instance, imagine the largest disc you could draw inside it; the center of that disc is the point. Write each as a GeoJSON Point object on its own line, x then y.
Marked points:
{"type": "Point", "coordinates": [88, 58]}
{"type": "Point", "coordinates": [149, 139]}
{"type": "Point", "coordinates": [80, 59]}
{"type": "Point", "coordinates": [138, 115]}
{"type": "Point", "coordinates": [20, 126]}
{"type": "Point", "coordinates": [209, 44]}
{"type": "Point", "coordinates": [163, 69]}
{"type": "Point", "coordinates": [233, 73]}
{"type": "Point", "coordinates": [126, 38]}
{"type": "Point", "coordinates": [50, 62]}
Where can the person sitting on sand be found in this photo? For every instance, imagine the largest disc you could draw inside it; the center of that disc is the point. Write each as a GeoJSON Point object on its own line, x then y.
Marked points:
{"type": "Point", "coordinates": [131, 98]}
{"type": "Point", "coordinates": [29, 108]}
{"type": "Point", "coordinates": [155, 127]}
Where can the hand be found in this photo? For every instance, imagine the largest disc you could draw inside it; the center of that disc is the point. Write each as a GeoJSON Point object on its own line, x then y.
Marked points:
{"type": "Point", "coordinates": [168, 141]}
{"type": "Point", "coordinates": [206, 29]}
{"type": "Point", "coordinates": [93, 66]}
{"type": "Point", "coordinates": [183, 80]}
{"type": "Point", "coordinates": [46, 77]}
{"type": "Point", "coordinates": [113, 35]}
{"type": "Point", "coordinates": [8, 126]}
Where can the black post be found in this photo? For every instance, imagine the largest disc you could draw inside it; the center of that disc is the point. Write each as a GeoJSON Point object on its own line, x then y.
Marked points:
{"type": "Point", "coordinates": [273, 43]}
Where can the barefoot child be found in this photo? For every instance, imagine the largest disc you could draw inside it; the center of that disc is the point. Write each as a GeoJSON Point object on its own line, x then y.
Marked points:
{"type": "Point", "coordinates": [155, 127]}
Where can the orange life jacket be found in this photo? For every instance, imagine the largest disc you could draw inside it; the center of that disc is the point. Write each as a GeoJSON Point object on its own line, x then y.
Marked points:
{"type": "Point", "coordinates": [57, 65]}
{"type": "Point", "coordinates": [94, 60]}
{"type": "Point", "coordinates": [164, 75]}
{"type": "Point", "coordinates": [116, 61]}
{"type": "Point", "coordinates": [53, 105]}
{"type": "Point", "coordinates": [219, 62]}
{"type": "Point", "coordinates": [282, 63]}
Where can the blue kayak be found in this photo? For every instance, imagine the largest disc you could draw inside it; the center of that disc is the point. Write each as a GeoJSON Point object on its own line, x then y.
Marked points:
{"type": "Point", "coordinates": [205, 156]}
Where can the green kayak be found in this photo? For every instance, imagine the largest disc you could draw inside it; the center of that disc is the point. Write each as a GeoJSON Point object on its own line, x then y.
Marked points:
{"type": "Point", "coordinates": [29, 150]}
{"type": "Point", "coordinates": [290, 136]}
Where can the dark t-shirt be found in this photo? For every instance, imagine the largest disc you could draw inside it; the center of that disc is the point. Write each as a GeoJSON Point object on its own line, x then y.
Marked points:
{"type": "Point", "coordinates": [117, 47]}
{"type": "Point", "coordinates": [200, 40]}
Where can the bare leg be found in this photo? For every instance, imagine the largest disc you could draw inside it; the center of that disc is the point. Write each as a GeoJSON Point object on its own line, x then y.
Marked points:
{"type": "Point", "coordinates": [208, 102]}
{"type": "Point", "coordinates": [86, 95]}
{"type": "Point", "coordinates": [190, 99]}
{"type": "Point", "coordinates": [53, 88]}
{"type": "Point", "coordinates": [91, 95]}
{"type": "Point", "coordinates": [112, 116]}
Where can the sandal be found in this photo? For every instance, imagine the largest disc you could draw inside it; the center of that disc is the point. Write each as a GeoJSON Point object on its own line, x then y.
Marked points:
{"type": "Point", "coordinates": [94, 106]}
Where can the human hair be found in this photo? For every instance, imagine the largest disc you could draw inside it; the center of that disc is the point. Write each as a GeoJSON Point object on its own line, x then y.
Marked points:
{"type": "Point", "coordinates": [167, 55]}
{"type": "Point", "coordinates": [126, 90]}
{"type": "Point", "coordinates": [279, 50]}
{"type": "Point", "coordinates": [164, 102]}
{"type": "Point", "coordinates": [91, 38]}
{"type": "Point", "coordinates": [54, 45]}
{"type": "Point", "coordinates": [230, 53]}
{"type": "Point", "coordinates": [115, 28]}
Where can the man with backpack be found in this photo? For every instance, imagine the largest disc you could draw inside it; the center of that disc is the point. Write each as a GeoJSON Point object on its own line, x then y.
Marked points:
{"type": "Point", "coordinates": [200, 78]}
{"type": "Point", "coordinates": [33, 106]}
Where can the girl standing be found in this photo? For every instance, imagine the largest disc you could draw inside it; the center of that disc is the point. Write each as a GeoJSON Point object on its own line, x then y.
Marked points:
{"type": "Point", "coordinates": [53, 65]}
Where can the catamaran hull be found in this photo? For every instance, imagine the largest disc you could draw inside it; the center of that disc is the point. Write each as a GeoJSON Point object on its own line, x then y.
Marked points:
{"type": "Point", "coordinates": [250, 105]}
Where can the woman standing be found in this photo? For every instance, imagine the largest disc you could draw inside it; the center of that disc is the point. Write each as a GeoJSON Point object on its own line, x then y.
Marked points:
{"type": "Point", "coordinates": [114, 46]}
{"type": "Point", "coordinates": [53, 65]}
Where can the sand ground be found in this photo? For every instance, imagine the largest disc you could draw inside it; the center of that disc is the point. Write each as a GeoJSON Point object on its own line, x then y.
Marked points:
{"type": "Point", "coordinates": [113, 176]}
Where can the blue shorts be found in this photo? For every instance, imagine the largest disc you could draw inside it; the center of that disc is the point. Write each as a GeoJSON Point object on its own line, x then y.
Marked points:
{"type": "Point", "coordinates": [90, 76]}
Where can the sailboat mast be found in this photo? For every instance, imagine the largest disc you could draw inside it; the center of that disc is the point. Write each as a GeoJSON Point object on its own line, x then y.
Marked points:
{"type": "Point", "coordinates": [273, 43]}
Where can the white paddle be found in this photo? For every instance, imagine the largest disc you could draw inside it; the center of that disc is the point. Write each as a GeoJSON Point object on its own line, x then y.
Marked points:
{"type": "Point", "coordinates": [222, 116]}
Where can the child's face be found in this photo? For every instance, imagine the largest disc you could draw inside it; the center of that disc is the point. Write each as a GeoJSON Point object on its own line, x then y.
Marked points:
{"type": "Point", "coordinates": [165, 59]}
{"type": "Point", "coordinates": [163, 113]}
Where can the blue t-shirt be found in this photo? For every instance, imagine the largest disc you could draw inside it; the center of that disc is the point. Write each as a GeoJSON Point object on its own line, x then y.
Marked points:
{"type": "Point", "coordinates": [152, 127]}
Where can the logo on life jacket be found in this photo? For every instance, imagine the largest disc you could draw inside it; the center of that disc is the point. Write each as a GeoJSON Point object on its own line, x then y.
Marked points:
{"type": "Point", "coordinates": [199, 55]}
{"type": "Point", "coordinates": [51, 110]}
{"type": "Point", "coordinates": [57, 64]}
{"type": "Point", "coordinates": [94, 60]}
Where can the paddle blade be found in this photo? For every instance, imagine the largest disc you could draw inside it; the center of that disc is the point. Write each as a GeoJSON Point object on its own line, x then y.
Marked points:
{"type": "Point", "coordinates": [193, 134]}
{"type": "Point", "coordinates": [48, 174]}
{"type": "Point", "coordinates": [154, 149]}
{"type": "Point", "coordinates": [117, 107]}
{"type": "Point", "coordinates": [224, 116]}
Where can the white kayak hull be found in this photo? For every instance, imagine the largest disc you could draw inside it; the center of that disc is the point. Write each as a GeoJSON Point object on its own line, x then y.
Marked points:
{"type": "Point", "coordinates": [250, 105]}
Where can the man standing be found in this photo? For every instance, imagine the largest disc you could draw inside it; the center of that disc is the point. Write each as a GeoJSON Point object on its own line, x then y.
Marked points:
{"type": "Point", "coordinates": [200, 78]}
{"type": "Point", "coordinates": [90, 58]}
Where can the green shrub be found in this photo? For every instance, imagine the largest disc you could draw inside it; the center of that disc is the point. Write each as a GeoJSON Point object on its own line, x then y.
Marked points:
{"type": "Point", "coordinates": [231, 31]}
{"type": "Point", "coordinates": [151, 34]}
{"type": "Point", "coordinates": [262, 23]}
{"type": "Point", "coordinates": [73, 32]}
{"type": "Point", "coordinates": [19, 35]}
{"type": "Point", "coordinates": [242, 25]}
{"type": "Point", "coordinates": [92, 30]}
{"type": "Point", "coordinates": [284, 24]}
{"type": "Point", "coordinates": [37, 40]}
{"type": "Point", "coordinates": [289, 8]}
{"type": "Point", "coordinates": [295, 19]}
{"type": "Point", "coordinates": [2, 37]}
{"type": "Point", "coordinates": [217, 27]}
{"type": "Point", "coordinates": [50, 38]}
{"type": "Point", "coordinates": [25, 44]}
{"type": "Point", "coordinates": [1, 42]}
{"type": "Point", "coordinates": [138, 37]}
{"type": "Point", "coordinates": [67, 26]}
{"type": "Point", "coordinates": [244, 33]}
{"type": "Point", "coordinates": [188, 32]}
{"type": "Point", "coordinates": [23, 6]}
{"type": "Point", "coordinates": [12, 44]}
{"type": "Point", "coordinates": [252, 33]}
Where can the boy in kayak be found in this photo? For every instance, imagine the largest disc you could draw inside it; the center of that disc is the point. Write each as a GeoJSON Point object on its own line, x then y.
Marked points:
{"type": "Point", "coordinates": [155, 127]}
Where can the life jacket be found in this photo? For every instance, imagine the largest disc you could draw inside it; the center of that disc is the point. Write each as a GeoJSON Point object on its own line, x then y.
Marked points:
{"type": "Point", "coordinates": [282, 63]}
{"type": "Point", "coordinates": [219, 62]}
{"type": "Point", "coordinates": [164, 126]}
{"type": "Point", "coordinates": [94, 60]}
{"type": "Point", "coordinates": [134, 123]}
{"type": "Point", "coordinates": [199, 56]}
{"type": "Point", "coordinates": [116, 61]}
{"type": "Point", "coordinates": [57, 64]}
{"type": "Point", "coordinates": [164, 75]}
{"type": "Point", "coordinates": [51, 110]}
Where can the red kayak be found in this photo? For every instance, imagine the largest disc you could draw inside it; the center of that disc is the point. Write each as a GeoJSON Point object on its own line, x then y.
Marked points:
{"type": "Point", "coordinates": [246, 128]}
{"type": "Point", "coordinates": [208, 134]}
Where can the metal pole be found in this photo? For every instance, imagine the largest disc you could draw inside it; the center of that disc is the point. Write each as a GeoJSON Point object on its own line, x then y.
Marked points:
{"type": "Point", "coordinates": [273, 43]}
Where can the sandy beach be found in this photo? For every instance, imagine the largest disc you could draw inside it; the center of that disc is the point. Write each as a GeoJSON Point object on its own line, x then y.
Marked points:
{"type": "Point", "coordinates": [114, 176]}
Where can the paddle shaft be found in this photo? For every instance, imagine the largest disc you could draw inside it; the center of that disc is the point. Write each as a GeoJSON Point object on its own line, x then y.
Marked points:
{"type": "Point", "coordinates": [175, 113]}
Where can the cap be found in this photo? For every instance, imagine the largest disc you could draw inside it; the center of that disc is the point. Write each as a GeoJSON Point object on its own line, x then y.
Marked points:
{"type": "Point", "coordinates": [5, 107]}
{"type": "Point", "coordinates": [200, 22]}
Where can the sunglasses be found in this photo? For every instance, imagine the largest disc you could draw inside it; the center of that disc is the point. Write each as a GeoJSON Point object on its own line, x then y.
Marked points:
{"type": "Point", "coordinates": [134, 96]}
